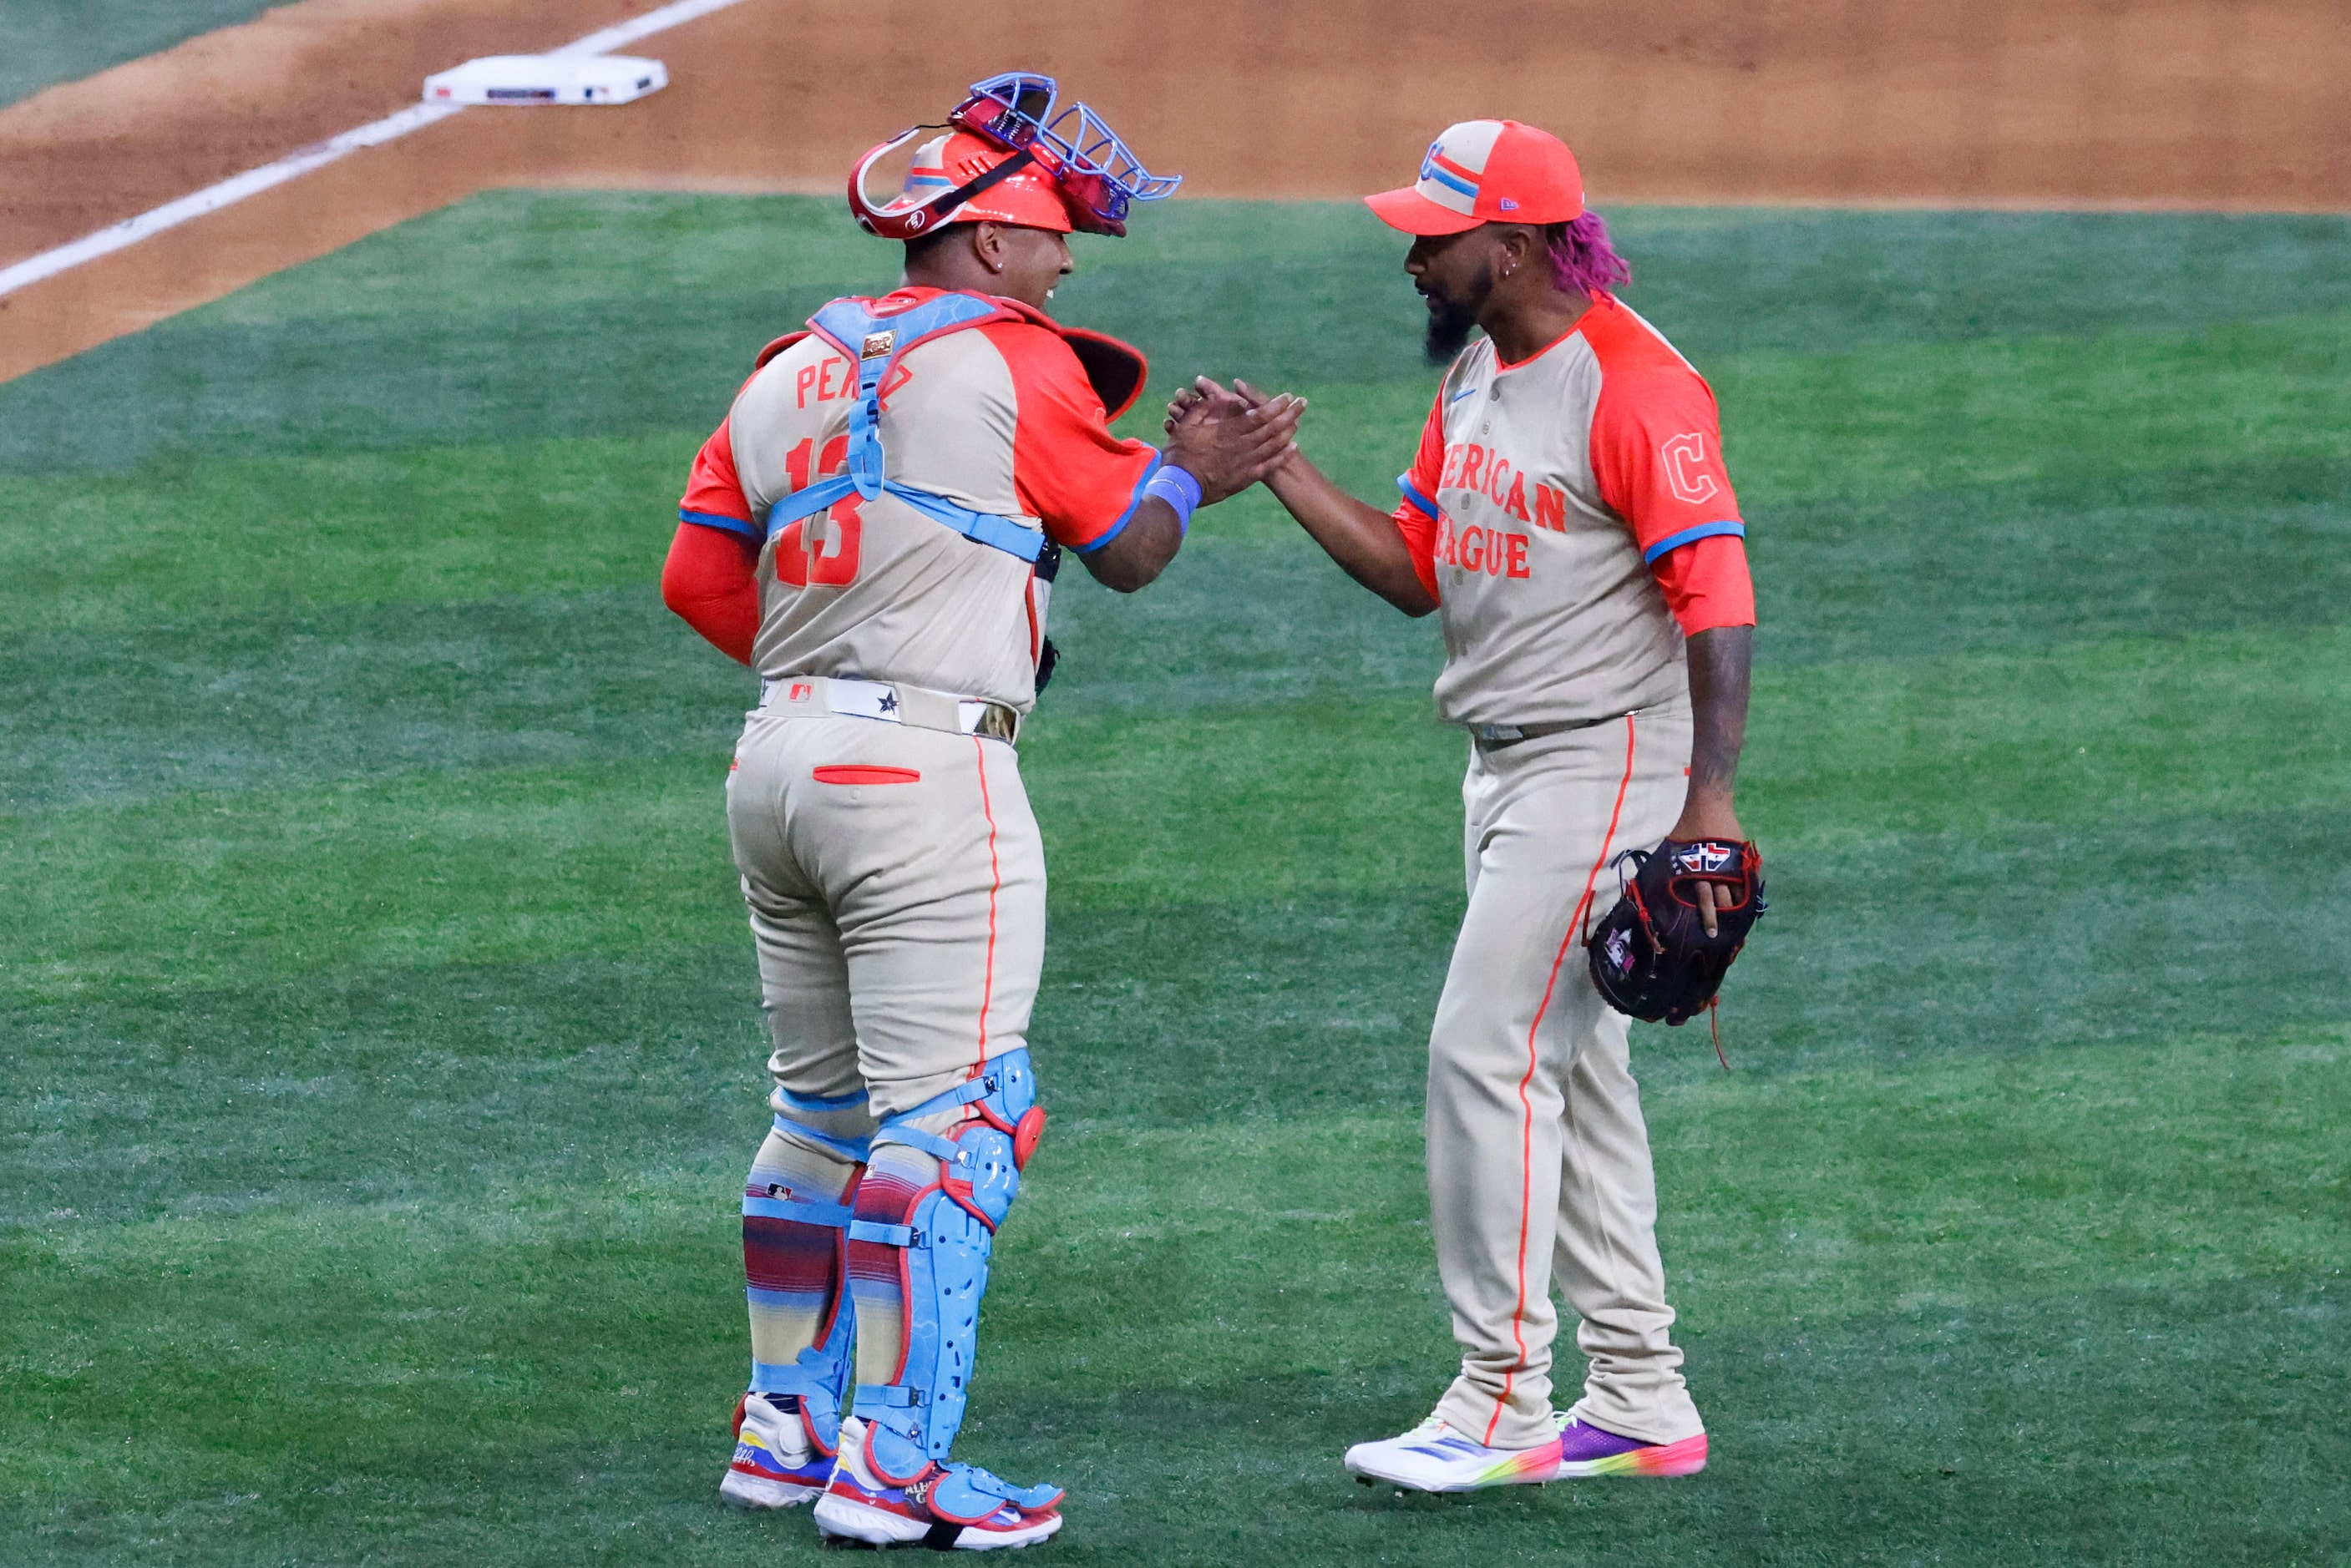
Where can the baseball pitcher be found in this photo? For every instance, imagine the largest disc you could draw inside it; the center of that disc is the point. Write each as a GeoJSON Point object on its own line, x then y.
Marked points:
{"type": "Point", "coordinates": [1569, 517]}
{"type": "Point", "coordinates": [875, 528]}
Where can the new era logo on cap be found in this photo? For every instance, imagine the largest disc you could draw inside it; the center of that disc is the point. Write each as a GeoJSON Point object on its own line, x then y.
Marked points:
{"type": "Point", "coordinates": [1484, 171]}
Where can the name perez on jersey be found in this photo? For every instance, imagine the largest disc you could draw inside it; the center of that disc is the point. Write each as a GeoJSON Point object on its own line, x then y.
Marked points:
{"type": "Point", "coordinates": [1498, 553]}
{"type": "Point", "coordinates": [836, 377]}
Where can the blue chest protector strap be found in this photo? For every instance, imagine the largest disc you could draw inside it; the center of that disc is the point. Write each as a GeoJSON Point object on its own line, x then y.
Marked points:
{"type": "Point", "coordinates": [874, 345]}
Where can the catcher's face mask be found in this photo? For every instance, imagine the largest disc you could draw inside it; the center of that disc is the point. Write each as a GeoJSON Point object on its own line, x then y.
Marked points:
{"type": "Point", "coordinates": [1098, 177]}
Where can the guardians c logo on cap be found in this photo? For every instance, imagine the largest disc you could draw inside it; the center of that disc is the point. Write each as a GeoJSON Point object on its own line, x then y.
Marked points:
{"type": "Point", "coordinates": [1487, 171]}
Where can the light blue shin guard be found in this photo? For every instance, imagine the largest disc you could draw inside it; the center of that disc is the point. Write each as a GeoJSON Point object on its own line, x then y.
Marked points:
{"type": "Point", "coordinates": [946, 1238]}
{"type": "Point", "coordinates": [819, 1375]}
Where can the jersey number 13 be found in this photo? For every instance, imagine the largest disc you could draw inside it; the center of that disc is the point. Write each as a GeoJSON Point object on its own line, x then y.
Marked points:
{"type": "Point", "coordinates": [823, 550]}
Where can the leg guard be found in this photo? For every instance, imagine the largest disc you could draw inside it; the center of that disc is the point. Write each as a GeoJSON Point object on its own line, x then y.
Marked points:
{"type": "Point", "coordinates": [941, 1237]}
{"type": "Point", "coordinates": [795, 1257]}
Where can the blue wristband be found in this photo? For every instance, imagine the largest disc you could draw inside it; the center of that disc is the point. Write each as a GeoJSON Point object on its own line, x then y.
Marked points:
{"type": "Point", "coordinates": [1179, 490]}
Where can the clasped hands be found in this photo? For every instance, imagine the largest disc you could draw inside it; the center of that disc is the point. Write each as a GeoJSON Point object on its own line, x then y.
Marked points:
{"type": "Point", "coordinates": [1231, 437]}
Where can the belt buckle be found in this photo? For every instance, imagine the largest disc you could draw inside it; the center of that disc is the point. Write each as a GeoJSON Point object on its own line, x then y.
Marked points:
{"type": "Point", "coordinates": [1498, 735]}
{"type": "Point", "coordinates": [993, 720]}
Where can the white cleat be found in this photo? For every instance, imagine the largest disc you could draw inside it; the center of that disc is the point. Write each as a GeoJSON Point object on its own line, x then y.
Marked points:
{"type": "Point", "coordinates": [776, 1462]}
{"type": "Point", "coordinates": [1433, 1456]}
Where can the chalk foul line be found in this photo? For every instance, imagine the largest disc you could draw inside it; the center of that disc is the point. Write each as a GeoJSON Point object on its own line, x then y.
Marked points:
{"type": "Point", "coordinates": [293, 165]}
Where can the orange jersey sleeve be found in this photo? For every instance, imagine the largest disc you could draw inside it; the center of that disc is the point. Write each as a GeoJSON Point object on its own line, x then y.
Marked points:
{"type": "Point", "coordinates": [1417, 517]}
{"type": "Point", "coordinates": [1706, 584]}
{"type": "Point", "coordinates": [1656, 453]}
{"type": "Point", "coordinates": [713, 494]}
{"type": "Point", "coordinates": [1081, 482]}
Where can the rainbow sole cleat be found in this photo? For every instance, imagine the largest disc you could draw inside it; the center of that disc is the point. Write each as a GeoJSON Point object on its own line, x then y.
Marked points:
{"type": "Point", "coordinates": [1433, 1456]}
{"type": "Point", "coordinates": [1590, 1451]}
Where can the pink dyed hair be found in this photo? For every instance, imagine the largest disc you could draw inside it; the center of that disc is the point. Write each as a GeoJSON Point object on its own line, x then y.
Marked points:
{"type": "Point", "coordinates": [1582, 259]}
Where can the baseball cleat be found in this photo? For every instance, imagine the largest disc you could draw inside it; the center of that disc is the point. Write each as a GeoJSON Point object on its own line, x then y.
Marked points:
{"type": "Point", "coordinates": [948, 1507]}
{"type": "Point", "coordinates": [1589, 1451]}
{"type": "Point", "coordinates": [1433, 1456]}
{"type": "Point", "coordinates": [778, 1462]}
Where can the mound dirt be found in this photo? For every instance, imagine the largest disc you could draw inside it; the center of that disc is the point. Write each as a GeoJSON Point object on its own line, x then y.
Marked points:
{"type": "Point", "coordinates": [2196, 103]}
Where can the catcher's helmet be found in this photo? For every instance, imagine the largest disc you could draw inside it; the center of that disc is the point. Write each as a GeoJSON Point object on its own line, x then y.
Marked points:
{"type": "Point", "coordinates": [1010, 157]}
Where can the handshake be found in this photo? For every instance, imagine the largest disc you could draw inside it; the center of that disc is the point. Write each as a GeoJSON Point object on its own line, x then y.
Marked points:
{"type": "Point", "coordinates": [1229, 438]}
{"type": "Point", "coordinates": [1222, 440]}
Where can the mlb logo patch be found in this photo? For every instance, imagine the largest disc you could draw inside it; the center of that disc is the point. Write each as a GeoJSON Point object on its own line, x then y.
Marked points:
{"type": "Point", "coordinates": [878, 344]}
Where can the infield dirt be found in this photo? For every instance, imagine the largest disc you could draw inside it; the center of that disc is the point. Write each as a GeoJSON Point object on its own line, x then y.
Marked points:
{"type": "Point", "coordinates": [2044, 103]}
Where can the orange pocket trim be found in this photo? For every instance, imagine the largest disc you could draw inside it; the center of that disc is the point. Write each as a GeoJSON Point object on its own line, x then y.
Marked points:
{"type": "Point", "coordinates": [861, 776]}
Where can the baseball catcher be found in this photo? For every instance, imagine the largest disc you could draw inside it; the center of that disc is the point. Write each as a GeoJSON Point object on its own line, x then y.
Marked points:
{"type": "Point", "coordinates": [875, 528]}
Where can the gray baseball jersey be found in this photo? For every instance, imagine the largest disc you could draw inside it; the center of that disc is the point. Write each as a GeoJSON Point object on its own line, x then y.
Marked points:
{"type": "Point", "coordinates": [1000, 419]}
{"type": "Point", "coordinates": [1547, 501]}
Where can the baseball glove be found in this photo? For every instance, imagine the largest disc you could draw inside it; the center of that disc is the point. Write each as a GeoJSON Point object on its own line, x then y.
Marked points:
{"type": "Point", "coordinates": [1651, 956]}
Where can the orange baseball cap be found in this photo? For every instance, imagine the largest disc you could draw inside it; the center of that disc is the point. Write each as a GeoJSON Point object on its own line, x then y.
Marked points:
{"type": "Point", "coordinates": [1487, 171]}
{"type": "Point", "coordinates": [1030, 198]}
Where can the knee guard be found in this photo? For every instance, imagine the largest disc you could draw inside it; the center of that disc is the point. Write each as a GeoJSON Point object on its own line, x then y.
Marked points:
{"type": "Point", "coordinates": [819, 1375]}
{"type": "Point", "coordinates": [943, 1241]}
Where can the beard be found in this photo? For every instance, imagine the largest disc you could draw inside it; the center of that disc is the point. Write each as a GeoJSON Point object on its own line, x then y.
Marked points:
{"type": "Point", "coordinates": [1450, 325]}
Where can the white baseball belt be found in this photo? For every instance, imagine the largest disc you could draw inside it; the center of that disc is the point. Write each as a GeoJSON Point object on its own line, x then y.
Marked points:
{"type": "Point", "coordinates": [891, 702]}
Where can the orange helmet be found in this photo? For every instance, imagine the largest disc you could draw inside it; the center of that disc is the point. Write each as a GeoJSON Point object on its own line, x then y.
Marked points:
{"type": "Point", "coordinates": [1028, 196]}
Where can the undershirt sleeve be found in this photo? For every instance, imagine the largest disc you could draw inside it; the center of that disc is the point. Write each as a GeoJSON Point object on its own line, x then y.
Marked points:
{"type": "Point", "coordinates": [1070, 472]}
{"type": "Point", "coordinates": [711, 581]}
{"type": "Point", "coordinates": [1656, 450]}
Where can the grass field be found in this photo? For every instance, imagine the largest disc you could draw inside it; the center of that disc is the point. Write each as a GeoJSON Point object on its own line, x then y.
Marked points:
{"type": "Point", "coordinates": [53, 41]}
{"type": "Point", "coordinates": [379, 1021]}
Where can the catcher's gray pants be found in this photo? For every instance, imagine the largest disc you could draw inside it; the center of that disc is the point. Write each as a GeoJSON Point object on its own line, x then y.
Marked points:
{"type": "Point", "coordinates": [1538, 1159]}
{"type": "Point", "coordinates": [897, 884]}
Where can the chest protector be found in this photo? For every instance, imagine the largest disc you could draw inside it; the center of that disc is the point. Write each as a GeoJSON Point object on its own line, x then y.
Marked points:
{"type": "Point", "coordinates": [875, 335]}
